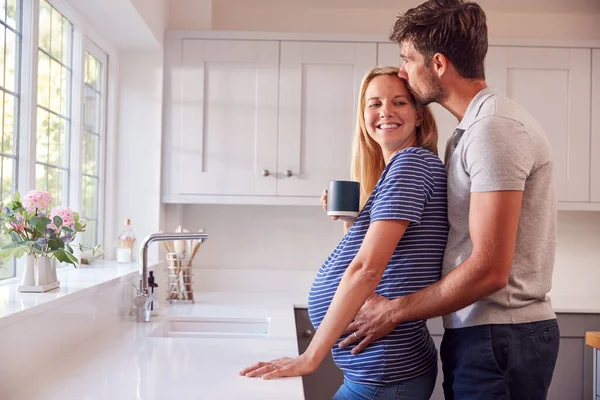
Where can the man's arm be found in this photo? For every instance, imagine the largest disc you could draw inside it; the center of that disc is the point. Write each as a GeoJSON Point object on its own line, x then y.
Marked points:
{"type": "Point", "coordinates": [493, 224]}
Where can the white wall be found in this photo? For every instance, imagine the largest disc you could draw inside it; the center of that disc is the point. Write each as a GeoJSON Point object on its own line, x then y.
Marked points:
{"type": "Point", "coordinates": [155, 14]}
{"type": "Point", "coordinates": [300, 238]}
{"type": "Point", "coordinates": [577, 264]}
{"type": "Point", "coordinates": [139, 136]}
{"type": "Point", "coordinates": [259, 237]}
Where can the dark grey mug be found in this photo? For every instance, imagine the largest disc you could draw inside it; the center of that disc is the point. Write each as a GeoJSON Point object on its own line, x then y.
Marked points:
{"type": "Point", "coordinates": [343, 199]}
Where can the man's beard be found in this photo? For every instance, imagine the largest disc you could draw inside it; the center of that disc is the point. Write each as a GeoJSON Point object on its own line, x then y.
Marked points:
{"type": "Point", "coordinates": [434, 92]}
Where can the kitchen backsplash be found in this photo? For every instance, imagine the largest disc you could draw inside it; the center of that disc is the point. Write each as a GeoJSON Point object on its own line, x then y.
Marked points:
{"type": "Point", "coordinates": [293, 237]}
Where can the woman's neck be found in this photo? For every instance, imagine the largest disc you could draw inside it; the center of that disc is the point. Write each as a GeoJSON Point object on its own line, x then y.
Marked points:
{"type": "Point", "coordinates": [388, 154]}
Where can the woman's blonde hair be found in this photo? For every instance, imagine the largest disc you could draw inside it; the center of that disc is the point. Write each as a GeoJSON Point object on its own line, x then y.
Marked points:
{"type": "Point", "coordinates": [367, 158]}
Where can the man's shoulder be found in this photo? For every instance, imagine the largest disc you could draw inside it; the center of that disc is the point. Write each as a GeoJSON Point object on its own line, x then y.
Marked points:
{"type": "Point", "coordinates": [503, 113]}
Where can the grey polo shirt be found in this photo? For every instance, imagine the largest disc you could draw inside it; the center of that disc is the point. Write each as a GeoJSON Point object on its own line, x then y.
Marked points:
{"type": "Point", "coordinates": [498, 146]}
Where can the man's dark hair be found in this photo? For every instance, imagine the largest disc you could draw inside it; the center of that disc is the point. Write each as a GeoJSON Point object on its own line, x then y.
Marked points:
{"type": "Point", "coordinates": [454, 28]}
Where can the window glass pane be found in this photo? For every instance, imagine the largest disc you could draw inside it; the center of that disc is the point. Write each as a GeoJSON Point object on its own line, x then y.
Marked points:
{"type": "Point", "coordinates": [7, 271]}
{"type": "Point", "coordinates": [53, 123]}
{"type": "Point", "coordinates": [90, 194]}
{"type": "Point", "coordinates": [9, 124]}
{"type": "Point", "coordinates": [7, 174]}
{"type": "Point", "coordinates": [57, 153]}
{"type": "Point", "coordinates": [90, 236]}
{"type": "Point", "coordinates": [53, 180]}
{"type": "Point", "coordinates": [13, 14]}
{"type": "Point", "coordinates": [2, 11]}
{"type": "Point", "coordinates": [92, 136]}
{"type": "Point", "coordinates": [10, 52]}
{"type": "Point", "coordinates": [67, 39]}
{"type": "Point", "coordinates": [59, 88]}
{"type": "Point", "coordinates": [92, 72]}
{"type": "Point", "coordinates": [2, 53]}
{"type": "Point", "coordinates": [91, 105]}
{"type": "Point", "coordinates": [90, 154]}
{"type": "Point", "coordinates": [10, 58]}
{"type": "Point", "coordinates": [42, 142]}
{"type": "Point", "coordinates": [56, 35]}
{"type": "Point", "coordinates": [43, 80]}
{"type": "Point", "coordinates": [45, 18]}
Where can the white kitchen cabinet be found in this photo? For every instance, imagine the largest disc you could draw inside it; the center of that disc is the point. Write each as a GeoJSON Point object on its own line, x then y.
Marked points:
{"type": "Point", "coordinates": [553, 85]}
{"type": "Point", "coordinates": [263, 121]}
{"type": "Point", "coordinates": [318, 90]}
{"type": "Point", "coordinates": [595, 170]}
{"type": "Point", "coordinates": [388, 54]}
{"type": "Point", "coordinates": [222, 118]}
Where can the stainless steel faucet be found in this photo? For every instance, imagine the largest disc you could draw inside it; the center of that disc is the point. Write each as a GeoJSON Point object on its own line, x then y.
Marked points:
{"type": "Point", "coordinates": [143, 299]}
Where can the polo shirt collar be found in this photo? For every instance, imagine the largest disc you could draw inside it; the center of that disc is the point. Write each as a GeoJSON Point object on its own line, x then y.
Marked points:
{"type": "Point", "coordinates": [474, 107]}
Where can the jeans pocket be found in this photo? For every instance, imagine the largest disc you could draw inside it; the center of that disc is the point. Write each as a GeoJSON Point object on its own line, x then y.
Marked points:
{"type": "Point", "coordinates": [544, 329]}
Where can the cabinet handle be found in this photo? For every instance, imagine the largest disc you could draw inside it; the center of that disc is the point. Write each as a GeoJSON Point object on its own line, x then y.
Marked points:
{"type": "Point", "coordinates": [307, 333]}
{"type": "Point", "coordinates": [289, 173]}
{"type": "Point", "coordinates": [265, 172]}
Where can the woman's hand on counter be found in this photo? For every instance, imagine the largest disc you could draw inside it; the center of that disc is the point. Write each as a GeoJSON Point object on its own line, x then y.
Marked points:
{"type": "Point", "coordinates": [281, 368]}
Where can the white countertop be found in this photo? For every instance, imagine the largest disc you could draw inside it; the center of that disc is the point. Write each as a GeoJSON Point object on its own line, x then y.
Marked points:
{"type": "Point", "coordinates": [74, 282]}
{"type": "Point", "coordinates": [128, 364]}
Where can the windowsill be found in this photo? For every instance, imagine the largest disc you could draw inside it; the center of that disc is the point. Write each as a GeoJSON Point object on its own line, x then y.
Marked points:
{"type": "Point", "coordinates": [74, 283]}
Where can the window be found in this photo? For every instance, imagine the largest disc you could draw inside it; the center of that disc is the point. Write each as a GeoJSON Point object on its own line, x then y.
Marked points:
{"type": "Point", "coordinates": [93, 99]}
{"type": "Point", "coordinates": [53, 104]}
{"type": "Point", "coordinates": [10, 51]}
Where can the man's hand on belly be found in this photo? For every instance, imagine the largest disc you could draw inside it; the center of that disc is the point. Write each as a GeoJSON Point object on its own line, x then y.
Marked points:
{"type": "Point", "coordinates": [374, 320]}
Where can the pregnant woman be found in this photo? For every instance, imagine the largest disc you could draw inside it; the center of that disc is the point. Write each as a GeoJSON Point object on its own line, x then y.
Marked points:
{"type": "Point", "coordinates": [393, 248]}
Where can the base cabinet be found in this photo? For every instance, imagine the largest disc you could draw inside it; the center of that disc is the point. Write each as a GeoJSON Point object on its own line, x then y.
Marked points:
{"type": "Point", "coordinates": [576, 376]}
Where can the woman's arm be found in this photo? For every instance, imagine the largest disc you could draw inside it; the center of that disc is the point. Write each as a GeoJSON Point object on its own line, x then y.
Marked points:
{"type": "Point", "coordinates": [359, 281]}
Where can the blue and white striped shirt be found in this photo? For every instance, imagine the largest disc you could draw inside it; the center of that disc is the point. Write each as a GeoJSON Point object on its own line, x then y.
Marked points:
{"type": "Point", "coordinates": [412, 187]}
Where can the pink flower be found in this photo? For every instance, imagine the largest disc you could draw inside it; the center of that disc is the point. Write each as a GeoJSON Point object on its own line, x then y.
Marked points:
{"type": "Point", "coordinates": [53, 227]}
{"type": "Point", "coordinates": [65, 213]}
{"type": "Point", "coordinates": [18, 226]}
{"type": "Point", "coordinates": [37, 199]}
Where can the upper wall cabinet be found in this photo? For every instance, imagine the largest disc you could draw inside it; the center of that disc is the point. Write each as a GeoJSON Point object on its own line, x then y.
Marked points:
{"type": "Point", "coordinates": [595, 150]}
{"type": "Point", "coordinates": [553, 85]}
{"type": "Point", "coordinates": [259, 121]}
{"type": "Point", "coordinates": [222, 118]}
{"type": "Point", "coordinates": [272, 121]}
{"type": "Point", "coordinates": [318, 91]}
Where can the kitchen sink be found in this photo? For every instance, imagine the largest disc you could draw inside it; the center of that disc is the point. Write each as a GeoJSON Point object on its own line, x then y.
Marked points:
{"type": "Point", "coordinates": [188, 327]}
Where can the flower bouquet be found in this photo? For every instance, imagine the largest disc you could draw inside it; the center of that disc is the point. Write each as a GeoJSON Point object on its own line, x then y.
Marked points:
{"type": "Point", "coordinates": [43, 235]}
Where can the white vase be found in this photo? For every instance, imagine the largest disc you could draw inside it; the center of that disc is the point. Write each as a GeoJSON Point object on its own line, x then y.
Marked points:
{"type": "Point", "coordinates": [44, 267]}
{"type": "Point", "coordinates": [28, 277]}
{"type": "Point", "coordinates": [53, 269]}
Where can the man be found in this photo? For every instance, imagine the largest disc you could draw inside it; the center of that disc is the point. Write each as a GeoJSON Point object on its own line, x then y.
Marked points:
{"type": "Point", "coordinates": [501, 339]}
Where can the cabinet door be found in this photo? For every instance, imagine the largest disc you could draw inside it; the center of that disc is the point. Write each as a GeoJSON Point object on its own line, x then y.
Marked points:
{"type": "Point", "coordinates": [318, 91]}
{"type": "Point", "coordinates": [224, 119]}
{"type": "Point", "coordinates": [388, 54]}
{"type": "Point", "coordinates": [553, 85]}
{"type": "Point", "coordinates": [595, 171]}
{"type": "Point", "coordinates": [327, 379]}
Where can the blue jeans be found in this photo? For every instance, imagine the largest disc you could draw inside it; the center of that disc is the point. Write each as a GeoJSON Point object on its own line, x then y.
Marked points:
{"type": "Point", "coordinates": [419, 388]}
{"type": "Point", "coordinates": [500, 362]}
